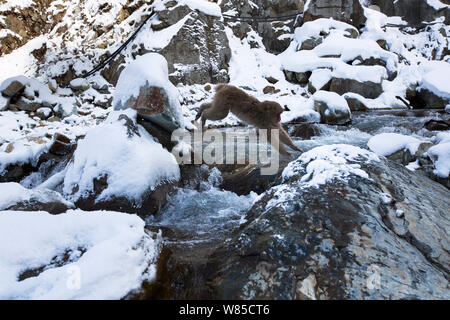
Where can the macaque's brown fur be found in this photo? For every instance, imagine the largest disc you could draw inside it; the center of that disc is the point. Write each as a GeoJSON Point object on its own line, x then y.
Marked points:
{"type": "Point", "coordinates": [264, 115]}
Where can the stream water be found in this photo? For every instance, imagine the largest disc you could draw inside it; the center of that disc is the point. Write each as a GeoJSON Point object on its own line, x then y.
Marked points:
{"type": "Point", "coordinates": [209, 214]}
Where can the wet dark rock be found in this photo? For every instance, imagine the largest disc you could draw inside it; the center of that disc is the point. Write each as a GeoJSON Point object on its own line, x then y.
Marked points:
{"type": "Point", "coordinates": [355, 103]}
{"type": "Point", "coordinates": [425, 99]}
{"type": "Point", "coordinates": [366, 89]}
{"type": "Point", "coordinates": [412, 11]}
{"type": "Point", "coordinates": [152, 200]}
{"type": "Point", "coordinates": [340, 241]}
{"type": "Point", "coordinates": [437, 125]}
{"type": "Point", "coordinates": [61, 145]}
{"type": "Point", "coordinates": [13, 89]}
{"type": "Point", "coordinates": [305, 130]}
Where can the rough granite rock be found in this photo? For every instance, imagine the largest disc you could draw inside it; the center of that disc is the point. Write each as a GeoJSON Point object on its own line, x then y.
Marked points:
{"type": "Point", "coordinates": [349, 11]}
{"type": "Point", "coordinates": [380, 236]}
{"type": "Point", "coordinates": [199, 52]}
{"type": "Point", "coordinates": [412, 11]}
{"type": "Point", "coordinates": [368, 89]}
{"type": "Point", "coordinates": [275, 33]}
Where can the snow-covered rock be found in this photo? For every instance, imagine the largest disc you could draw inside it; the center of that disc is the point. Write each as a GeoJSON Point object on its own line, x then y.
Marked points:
{"type": "Point", "coordinates": [15, 197]}
{"type": "Point", "coordinates": [145, 87]}
{"type": "Point", "coordinates": [434, 88]}
{"type": "Point", "coordinates": [74, 255]}
{"type": "Point", "coordinates": [327, 232]}
{"type": "Point", "coordinates": [332, 107]}
{"type": "Point", "coordinates": [119, 165]}
{"type": "Point", "coordinates": [440, 155]}
{"type": "Point", "coordinates": [386, 144]}
{"type": "Point", "coordinates": [350, 11]}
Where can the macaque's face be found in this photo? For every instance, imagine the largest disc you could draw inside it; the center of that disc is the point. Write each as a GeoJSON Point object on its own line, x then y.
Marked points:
{"type": "Point", "coordinates": [274, 111]}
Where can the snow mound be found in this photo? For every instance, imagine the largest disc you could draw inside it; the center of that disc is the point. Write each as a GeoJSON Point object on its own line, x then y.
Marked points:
{"type": "Point", "coordinates": [436, 78]}
{"type": "Point", "coordinates": [385, 144]}
{"type": "Point", "coordinates": [326, 163]}
{"type": "Point", "coordinates": [440, 155]}
{"type": "Point", "coordinates": [12, 193]}
{"type": "Point", "coordinates": [350, 49]}
{"type": "Point", "coordinates": [148, 70]}
{"type": "Point", "coordinates": [334, 102]}
{"type": "Point", "coordinates": [22, 151]}
{"type": "Point", "coordinates": [33, 88]}
{"type": "Point", "coordinates": [208, 8]}
{"type": "Point", "coordinates": [308, 60]}
{"type": "Point", "coordinates": [74, 255]}
{"type": "Point", "coordinates": [132, 161]}
{"type": "Point", "coordinates": [313, 29]}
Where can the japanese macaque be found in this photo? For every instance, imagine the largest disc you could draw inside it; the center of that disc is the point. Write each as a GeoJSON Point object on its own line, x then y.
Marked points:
{"type": "Point", "coordinates": [264, 115]}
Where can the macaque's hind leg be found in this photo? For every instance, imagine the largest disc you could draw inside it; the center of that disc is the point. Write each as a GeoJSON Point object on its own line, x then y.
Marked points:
{"type": "Point", "coordinates": [201, 109]}
{"type": "Point", "coordinates": [284, 138]}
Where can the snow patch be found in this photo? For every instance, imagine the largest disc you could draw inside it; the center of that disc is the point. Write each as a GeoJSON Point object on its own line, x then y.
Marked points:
{"type": "Point", "coordinates": [133, 164]}
{"type": "Point", "coordinates": [75, 255]}
{"type": "Point", "coordinates": [385, 144]}
{"type": "Point", "coordinates": [326, 163]}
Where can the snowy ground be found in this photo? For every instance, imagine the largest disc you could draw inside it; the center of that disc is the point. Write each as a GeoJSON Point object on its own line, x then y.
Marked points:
{"type": "Point", "coordinates": [105, 255]}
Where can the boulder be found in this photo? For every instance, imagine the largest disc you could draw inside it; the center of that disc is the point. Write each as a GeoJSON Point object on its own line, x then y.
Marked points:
{"type": "Point", "coordinates": [199, 52]}
{"type": "Point", "coordinates": [144, 86]}
{"type": "Point", "coordinates": [305, 130]}
{"type": "Point", "coordinates": [332, 107]}
{"type": "Point", "coordinates": [340, 237]}
{"type": "Point", "coordinates": [356, 102]}
{"type": "Point", "coordinates": [437, 125]}
{"type": "Point", "coordinates": [13, 89]}
{"type": "Point", "coordinates": [118, 166]}
{"type": "Point", "coordinates": [21, 199]}
{"type": "Point", "coordinates": [367, 89]}
{"type": "Point", "coordinates": [413, 11]}
{"type": "Point", "coordinates": [349, 11]}
{"type": "Point", "coordinates": [274, 34]}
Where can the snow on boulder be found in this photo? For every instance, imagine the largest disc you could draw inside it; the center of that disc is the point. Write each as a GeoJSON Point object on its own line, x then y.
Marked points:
{"type": "Point", "coordinates": [74, 255]}
{"type": "Point", "coordinates": [15, 197]}
{"type": "Point", "coordinates": [386, 144]}
{"type": "Point", "coordinates": [311, 33]}
{"type": "Point", "coordinates": [440, 155]}
{"type": "Point", "coordinates": [120, 166]}
{"type": "Point", "coordinates": [435, 86]}
{"type": "Point", "coordinates": [145, 87]}
{"type": "Point", "coordinates": [351, 49]}
{"type": "Point", "coordinates": [208, 8]}
{"type": "Point", "coordinates": [332, 107]}
{"type": "Point", "coordinates": [323, 164]}
{"type": "Point", "coordinates": [320, 78]}
{"type": "Point", "coordinates": [21, 93]}
{"type": "Point", "coordinates": [79, 84]}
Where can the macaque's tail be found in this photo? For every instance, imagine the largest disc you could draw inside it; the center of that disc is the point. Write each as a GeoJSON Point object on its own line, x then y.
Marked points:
{"type": "Point", "coordinates": [220, 87]}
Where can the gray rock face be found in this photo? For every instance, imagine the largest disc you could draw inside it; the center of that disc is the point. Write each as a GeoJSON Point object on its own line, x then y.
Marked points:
{"type": "Point", "coordinates": [366, 89]}
{"type": "Point", "coordinates": [343, 240]}
{"type": "Point", "coordinates": [349, 11]}
{"type": "Point", "coordinates": [413, 11]}
{"type": "Point", "coordinates": [199, 52]}
{"type": "Point", "coordinates": [271, 32]}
